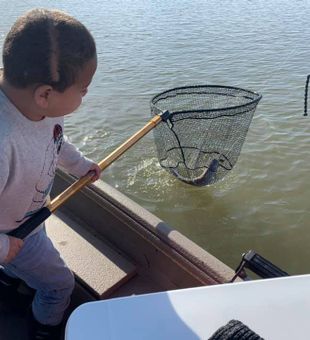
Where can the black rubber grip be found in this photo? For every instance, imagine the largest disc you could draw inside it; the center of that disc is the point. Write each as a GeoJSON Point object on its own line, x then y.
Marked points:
{"type": "Point", "coordinates": [31, 224]}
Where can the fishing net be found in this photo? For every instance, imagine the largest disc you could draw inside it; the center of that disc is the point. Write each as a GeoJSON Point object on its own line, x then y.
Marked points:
{"type": "Point", "coordinates": [202, 138]}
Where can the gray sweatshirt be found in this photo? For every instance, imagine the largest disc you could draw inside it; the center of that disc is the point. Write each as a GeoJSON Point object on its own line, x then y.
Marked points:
{"type": "Point", "coordinates": [30, 152]}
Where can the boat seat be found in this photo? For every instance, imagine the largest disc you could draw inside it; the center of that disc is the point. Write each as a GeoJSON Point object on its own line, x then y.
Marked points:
{"type": "Point", "coordinates": [96, 265]}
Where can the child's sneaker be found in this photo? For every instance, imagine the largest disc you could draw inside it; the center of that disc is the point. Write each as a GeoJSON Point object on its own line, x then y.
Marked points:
{"type": "Point", "coordinates": [38, 331]}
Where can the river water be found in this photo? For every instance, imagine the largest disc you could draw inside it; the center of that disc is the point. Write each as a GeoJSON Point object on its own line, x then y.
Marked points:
{"type": "Point", "coordinates": [145, 47]}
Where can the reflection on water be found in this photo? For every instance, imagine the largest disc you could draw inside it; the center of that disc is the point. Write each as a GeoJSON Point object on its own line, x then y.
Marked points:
{"type": "Point", "coordinates": [145, 47]}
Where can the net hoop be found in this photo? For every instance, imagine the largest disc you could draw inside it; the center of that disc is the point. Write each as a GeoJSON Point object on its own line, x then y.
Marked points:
{"type": "Point", "coordinates": [256, 97]}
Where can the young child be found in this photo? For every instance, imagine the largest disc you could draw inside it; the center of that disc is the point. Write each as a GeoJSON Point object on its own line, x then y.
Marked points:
{"type": "Point", "coordinates": [49, 59]}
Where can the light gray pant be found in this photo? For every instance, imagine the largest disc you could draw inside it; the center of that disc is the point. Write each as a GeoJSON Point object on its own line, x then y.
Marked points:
{"type": "Point", "coordinates": [41, 267]}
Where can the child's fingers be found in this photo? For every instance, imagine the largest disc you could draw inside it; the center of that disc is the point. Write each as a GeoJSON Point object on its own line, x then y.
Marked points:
{"type": "Point", "coordinates": [96, 176]}
{"type": "Point", "coordinates": [95, 173]}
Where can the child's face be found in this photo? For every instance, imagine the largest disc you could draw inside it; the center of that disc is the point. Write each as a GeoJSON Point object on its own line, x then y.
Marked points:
{"type": "Point", "coordinates": [63, 103]}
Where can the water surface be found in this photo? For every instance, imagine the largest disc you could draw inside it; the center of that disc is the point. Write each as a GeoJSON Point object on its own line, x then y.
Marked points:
{"type": "Point", "coordinates": [145, 47]}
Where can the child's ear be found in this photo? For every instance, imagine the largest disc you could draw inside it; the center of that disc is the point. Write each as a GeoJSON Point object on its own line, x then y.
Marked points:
{"type": "Point", "coordinates": [42, 95]}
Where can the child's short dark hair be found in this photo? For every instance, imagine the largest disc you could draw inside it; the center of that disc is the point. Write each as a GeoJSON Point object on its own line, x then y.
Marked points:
{"type": "Point", "coordinates": [46, 47]}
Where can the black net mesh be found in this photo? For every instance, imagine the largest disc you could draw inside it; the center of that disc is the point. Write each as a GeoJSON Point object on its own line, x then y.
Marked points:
{"type": "Point", "coordinates": [202, 139]}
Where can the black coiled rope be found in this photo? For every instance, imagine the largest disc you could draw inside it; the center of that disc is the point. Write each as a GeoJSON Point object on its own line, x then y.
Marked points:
{"type": "Point", "coordinates": [306, 96]}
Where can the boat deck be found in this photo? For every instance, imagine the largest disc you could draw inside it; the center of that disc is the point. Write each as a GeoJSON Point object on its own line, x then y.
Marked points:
{"type": "Point", "coordinates": [115, 283]}
{"type": "Point", "coordinates": [115, 248]}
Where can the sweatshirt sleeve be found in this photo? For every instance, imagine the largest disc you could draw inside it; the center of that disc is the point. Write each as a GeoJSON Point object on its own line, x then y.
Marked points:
{"type": "Point", "coordinates": [4, 175]}
{"type": "Point", "coordinates": [73, 160]}
{"type": "Point", "coordinates": [4, 170]}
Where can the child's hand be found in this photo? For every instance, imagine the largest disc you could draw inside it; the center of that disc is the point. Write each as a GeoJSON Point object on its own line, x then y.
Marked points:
{"type": "Point", "coordinates": [15, 246]}
{"type": "Point", "coordinates": [96, 172]}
